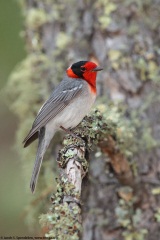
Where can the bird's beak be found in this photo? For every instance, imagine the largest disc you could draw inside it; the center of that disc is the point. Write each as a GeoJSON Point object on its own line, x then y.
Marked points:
{"type": "Point", "coordinates": [97, 69]}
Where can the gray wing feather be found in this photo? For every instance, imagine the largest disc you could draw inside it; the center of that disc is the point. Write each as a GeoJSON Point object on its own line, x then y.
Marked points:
{"type": "Point", "coordinates": [59, 99]}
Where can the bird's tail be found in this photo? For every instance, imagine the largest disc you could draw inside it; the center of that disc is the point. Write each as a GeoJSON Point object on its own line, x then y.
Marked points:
{"type": "Point", "coordinates": [42, 146]}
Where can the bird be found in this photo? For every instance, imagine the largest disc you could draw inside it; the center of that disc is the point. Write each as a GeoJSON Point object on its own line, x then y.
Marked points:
{"type": "Point", "coordinates": [67, 105]}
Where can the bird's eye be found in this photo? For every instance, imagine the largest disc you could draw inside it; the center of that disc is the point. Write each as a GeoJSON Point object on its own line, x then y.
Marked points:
{"type": "Point", "coordinates": [83, 69]}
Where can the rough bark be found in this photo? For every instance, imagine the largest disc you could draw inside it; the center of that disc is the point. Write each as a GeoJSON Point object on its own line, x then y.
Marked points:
{"type": "Point", "coordinates": [65, 219]}
{"type": "Point", "coordinates": [123, 37]}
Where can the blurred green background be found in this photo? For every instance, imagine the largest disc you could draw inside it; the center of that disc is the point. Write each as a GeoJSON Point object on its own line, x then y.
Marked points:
{"type": "Point", "coordinates": [13, 196]}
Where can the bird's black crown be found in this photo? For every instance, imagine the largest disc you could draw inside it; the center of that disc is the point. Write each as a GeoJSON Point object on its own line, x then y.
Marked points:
{"type": "Point", "coordinates": [77, 68]}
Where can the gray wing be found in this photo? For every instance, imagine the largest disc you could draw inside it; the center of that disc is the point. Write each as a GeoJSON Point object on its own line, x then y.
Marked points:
{"type": "Point", "coordinates": [59, 99]}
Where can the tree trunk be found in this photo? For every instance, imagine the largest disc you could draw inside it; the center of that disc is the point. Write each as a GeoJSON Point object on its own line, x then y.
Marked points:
{"type": "Point", "coordinates": [123, 38]}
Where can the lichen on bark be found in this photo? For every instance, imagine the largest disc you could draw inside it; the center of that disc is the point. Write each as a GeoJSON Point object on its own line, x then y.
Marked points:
{"type": "Point", "coordinates": [123, 37]}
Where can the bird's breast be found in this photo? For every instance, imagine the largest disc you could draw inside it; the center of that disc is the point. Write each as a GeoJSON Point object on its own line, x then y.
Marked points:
{"type": "Point", "coordinates": [75, 111]}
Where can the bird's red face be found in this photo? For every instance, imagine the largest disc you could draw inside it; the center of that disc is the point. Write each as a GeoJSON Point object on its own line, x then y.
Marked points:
{"type": "Point", "coordinates": [85, 70]}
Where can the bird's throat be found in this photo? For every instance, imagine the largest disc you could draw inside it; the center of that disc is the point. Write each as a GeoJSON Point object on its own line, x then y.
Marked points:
{"type": "Point", "coordinates": [90, 77]}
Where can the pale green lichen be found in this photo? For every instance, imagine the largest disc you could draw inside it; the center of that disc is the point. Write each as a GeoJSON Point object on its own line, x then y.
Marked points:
{"type": "Point", "coordinates": [63, 223]}
{"type": "Point", "coordinates": [92, 129]}
{"type": "Point", "coordinates": [157, 215]}
{"type": "Point", "coordinates": [63, 220]}
{"type": "Point", "coordinates": [28, 84]}
{"type": "Point", "coordinates": [105, 7]}
{"type": "Point", "coordinates": [130, 219]}
{"type": "Point", "coordinates": [26, 90]}
{"type": "Point", "coordinates": [63, 40]}
{"type": "Point", "coordinates": [35, 18]}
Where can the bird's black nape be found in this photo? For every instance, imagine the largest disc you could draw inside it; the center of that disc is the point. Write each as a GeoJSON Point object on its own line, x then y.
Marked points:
{"type": "Point", "coordinates": [76, 68]}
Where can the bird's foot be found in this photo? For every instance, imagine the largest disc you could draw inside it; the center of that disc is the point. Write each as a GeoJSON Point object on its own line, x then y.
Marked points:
{"type": "Point", "coordinates": [72, 134]}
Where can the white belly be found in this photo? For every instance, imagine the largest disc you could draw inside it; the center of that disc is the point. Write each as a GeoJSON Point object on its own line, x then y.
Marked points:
{"type": "Point", "coordinates": [73, 114]}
